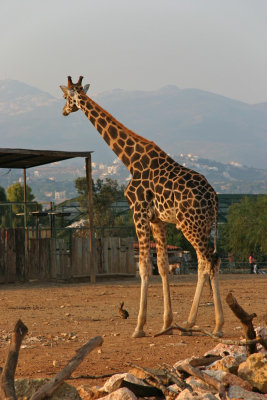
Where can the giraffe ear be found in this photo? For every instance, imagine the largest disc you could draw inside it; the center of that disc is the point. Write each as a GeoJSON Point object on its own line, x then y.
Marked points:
{"type": "Point", "coordinates": [66, 91]}
{"type": "Point", "coordinates": [85, 88]}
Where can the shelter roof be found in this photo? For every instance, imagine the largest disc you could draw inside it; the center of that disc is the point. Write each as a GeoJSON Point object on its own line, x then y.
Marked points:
{"type": "Point", "coordinates": [24, 158]}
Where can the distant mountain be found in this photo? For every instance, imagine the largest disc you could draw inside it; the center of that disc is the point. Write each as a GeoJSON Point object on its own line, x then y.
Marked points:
{"type": "Point", "coordinates": [55, 182]}
{"type": "Point", "coordinates": [225, 178]}
{"type": "Point", "coordinates": [179, 121]}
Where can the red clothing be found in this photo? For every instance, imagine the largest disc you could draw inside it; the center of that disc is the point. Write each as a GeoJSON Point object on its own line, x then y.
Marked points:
{"type": "Point", "coordinates": [251, 260]}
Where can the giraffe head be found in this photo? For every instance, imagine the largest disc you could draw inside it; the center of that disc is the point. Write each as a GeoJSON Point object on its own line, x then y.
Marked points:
{"type": "Point", "coordinates": [70, 94]}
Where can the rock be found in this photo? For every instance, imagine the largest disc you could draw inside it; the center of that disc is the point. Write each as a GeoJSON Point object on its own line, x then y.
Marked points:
{"type": "Point", "coordinates": [187, 395]}
{"type": "Point", "coordinates": [120, 394]}
{"type": "Point", "coordinates": [231, 379]}
{"type": "Point", "coordinates": [199, 386]}
{"type": "Point", "coordinates": [175, 388]}
{"type": "Point", "coordinates": [114, 382]}
{"type": "Point", "coordinates": [26, 387]}
{"type": "Point", "coordinates": [91, 393]}
{"type": "Point", "coordinates": [229, 363]}
{"type": "Point", "coordinates": [226, 350]}
{"type": "Point", "coordinates": [236, 392]}
{"type": "Point", "coordinates": [254, 370]}
{"type": "Point", "coordinates": [216, 373]}
{"type": "Point", "coordinates": [261, 331]}
{"type": "Point", "coordinates": [186, 361]}
{"type": "Point", "coordinates": [137, 373]}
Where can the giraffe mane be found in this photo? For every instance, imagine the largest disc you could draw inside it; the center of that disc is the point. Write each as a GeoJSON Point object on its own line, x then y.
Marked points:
{"type": "Point", "coordinates": [79, 90]}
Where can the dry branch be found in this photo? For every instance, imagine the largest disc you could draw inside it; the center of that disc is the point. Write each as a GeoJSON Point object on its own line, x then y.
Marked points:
{"type": "Point", "coordinates": [47, 389]}
{"type": "Point", "coordinates": [245, 319]}
{"type": "Point", "coordinates": [179, 328]}
{"type": "Point", "coordinates": [7, 388]}
{"type": "Point", "coordinates": [242, 342]}
{"type": "Point", "coordinates": [155, 381]}
{"type": "Point", "coordinates": [204, 377]}
{"type": "Point", "coordinates": [173, 375]}
{"type": "Point", "coordinates": [90, 376]}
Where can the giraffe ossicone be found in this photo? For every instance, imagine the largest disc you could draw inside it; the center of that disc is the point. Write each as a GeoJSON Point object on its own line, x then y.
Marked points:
{"type": "Point", "coordinates": [161, 191]}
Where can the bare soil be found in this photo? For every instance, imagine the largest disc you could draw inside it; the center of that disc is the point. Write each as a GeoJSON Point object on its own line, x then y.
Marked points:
{"type": "Point", "coordinates": [63, 317]}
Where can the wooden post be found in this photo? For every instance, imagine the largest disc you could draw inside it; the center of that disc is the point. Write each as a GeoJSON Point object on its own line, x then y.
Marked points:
{"type": "Point", "coordinates": [92, 267]}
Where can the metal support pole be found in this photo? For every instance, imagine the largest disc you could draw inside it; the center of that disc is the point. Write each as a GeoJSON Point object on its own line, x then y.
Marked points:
{"type": "Point", "coordinates": [88, 168]}
{"type": "Point", "coordinates": [25, 274]}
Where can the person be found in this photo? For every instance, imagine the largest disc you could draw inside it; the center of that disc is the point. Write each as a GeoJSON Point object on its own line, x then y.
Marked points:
{"type": "Point", "coordinates": [251, 261]}
{"type": "Point", "coordinates": [231, 261]}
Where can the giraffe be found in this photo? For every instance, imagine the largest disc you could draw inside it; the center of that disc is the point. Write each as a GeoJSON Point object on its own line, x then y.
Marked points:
{"type": "Point", "coordinates": [161, 191]}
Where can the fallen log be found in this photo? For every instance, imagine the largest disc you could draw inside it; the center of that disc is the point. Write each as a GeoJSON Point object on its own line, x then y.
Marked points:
{"type": "Point", "coordinates": [7, 386]}
{"type": "Point", "coordinates": [246, 321]}
{"type": "Point", "coordinates": [47, 389]}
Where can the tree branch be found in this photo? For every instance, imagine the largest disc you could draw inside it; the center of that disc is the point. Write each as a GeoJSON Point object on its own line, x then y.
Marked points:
{"type": "Point", "coordinates": [7, 388]}
{"type": "Point", "coordinates": [246, 321]}
{"type": "Point", "coordinates": [47, 389]}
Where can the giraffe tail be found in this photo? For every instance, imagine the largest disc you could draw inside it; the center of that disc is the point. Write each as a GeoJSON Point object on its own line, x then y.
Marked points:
{"type": "Point", "coordinates": [215, 259]}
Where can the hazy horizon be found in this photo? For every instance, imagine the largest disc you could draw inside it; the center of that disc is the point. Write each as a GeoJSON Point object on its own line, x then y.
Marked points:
{"type": "Point", "coordinates": [143, 45]}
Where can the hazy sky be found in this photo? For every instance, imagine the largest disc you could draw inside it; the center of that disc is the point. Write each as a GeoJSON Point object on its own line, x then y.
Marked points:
{"type": "Point", "coordinates": [214, 45]}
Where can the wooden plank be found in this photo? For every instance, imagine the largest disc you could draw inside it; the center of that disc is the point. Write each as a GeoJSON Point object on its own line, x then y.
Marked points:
{"type": "Point", "coordinates": [52, 257]}
{"type": "Point", "coordinates": [111, 255]}
{"type": "Point", "coordinates": [99, 256]}
{"type": "Point", "coordinates": [105, 246]}
{"type": "Point", "coordinates": [123, 255]}
{"type": "Point", "coordinates": [2, 256]}
{"type": "Point", "coordinates": [45, 258]}
{"type": "Point", "coordinates": [31, 257]}
{"type": "Point", "coordinates": [11, 255]}
{"type": "Point", "coordinates": [20, 253]}
{"type": "Point", "coordinates": [116, 253]}
{"type": "Point", "coordinates": [85, 256]}
{"type": "Point", "coordinates": [131, 267]}
{"type": "Point", "coordinates": [73, 254]}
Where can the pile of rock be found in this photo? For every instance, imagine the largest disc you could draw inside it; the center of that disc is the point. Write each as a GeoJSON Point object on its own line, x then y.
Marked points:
{"type": "Point", "coordinates": [234, 375]}
{"type": "Point", "coordinates": [242, 376]}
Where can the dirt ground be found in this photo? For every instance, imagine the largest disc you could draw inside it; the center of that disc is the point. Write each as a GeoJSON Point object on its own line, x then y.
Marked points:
{"type": "Point", "coordinates": [62, 317]}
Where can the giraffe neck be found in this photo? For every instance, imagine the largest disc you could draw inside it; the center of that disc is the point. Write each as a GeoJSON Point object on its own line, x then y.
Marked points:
{"type": "Point", "coordinates": [127, 145]}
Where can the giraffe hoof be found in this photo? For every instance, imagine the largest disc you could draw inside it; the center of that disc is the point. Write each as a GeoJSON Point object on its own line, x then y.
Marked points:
{"type": "Point", "coordinates": [138, 334]}
{"type": "Point", "coordinates": [218, 333]}
{"type": "Point", "coordinates": [166, 331]}
{"type": "Point", "coordinates": [186, 333]}
{"type": "Point", "coordinates": [187, 325]}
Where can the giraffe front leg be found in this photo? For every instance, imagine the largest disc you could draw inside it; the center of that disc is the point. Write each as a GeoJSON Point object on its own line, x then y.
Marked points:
{"type": "Point", "coordinates": [159, 234]}
{"type": "Point", "coordinates": [145, 273]}
{"type": "Point", "coordinates": [141, 320]}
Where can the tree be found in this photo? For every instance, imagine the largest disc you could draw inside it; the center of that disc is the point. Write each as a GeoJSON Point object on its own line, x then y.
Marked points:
{"type": "Point", "coordinates": [175, 237]}
{"type": "Point", "coordinates": [245, 230]}
{"type": "Point", "coordinates": [15, 194]}
{"type": "Point", "coordinates": [105, 194]}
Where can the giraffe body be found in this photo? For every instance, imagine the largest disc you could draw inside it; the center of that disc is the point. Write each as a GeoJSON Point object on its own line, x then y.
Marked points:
{"type": "Point", "coordinates": [161, 191]}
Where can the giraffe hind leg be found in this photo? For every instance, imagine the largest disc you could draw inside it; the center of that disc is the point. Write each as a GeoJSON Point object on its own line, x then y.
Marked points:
{"type": "Point", "coordinates": [205, 272]}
